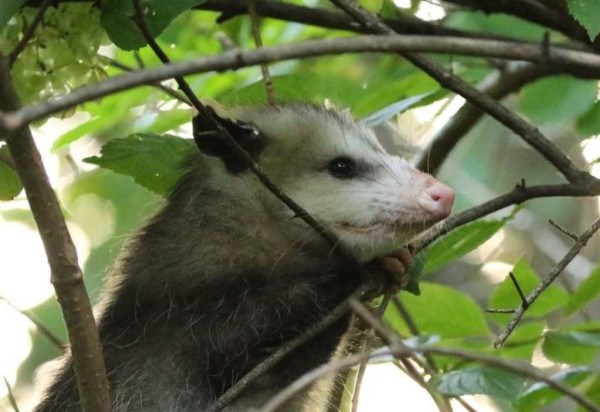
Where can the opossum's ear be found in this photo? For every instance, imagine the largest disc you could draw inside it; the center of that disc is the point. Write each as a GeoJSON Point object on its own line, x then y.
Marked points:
{"type": "Point", "coordinates": [211, 143]}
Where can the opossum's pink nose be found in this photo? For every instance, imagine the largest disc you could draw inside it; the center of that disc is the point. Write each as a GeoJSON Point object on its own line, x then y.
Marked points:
{"type": "Point", "coordinates": [436, 198]}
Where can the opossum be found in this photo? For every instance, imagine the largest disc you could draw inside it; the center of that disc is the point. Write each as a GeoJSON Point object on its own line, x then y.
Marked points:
{"type": "Point", "coordinates": [225, 273]}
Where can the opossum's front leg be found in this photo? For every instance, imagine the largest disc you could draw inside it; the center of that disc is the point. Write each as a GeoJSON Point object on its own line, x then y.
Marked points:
{"type": "Point", "coordinates": [391, 271]}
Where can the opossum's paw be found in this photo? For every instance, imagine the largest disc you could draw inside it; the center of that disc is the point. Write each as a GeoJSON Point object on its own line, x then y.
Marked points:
{"type": "Point", "coordinates": [390, 272]}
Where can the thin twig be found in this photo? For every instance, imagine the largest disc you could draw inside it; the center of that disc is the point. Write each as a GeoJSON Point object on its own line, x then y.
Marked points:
{"type": "Point", "coordinates": [580, 243]}
{"type": "Point", "coordinates": [236, 59]}
{"type": "Point", "coordinates": [10, 395]}
{"type": "Point", "coordinates": [367, 347]}
{"type": "Point", "coordinates": [521, 127]}
{"type": "Point", "coordinates": [398, 349]}
{"type": "Point", "coordinates": [282, 352]}
{"type": "Point", "coordinates": [12, 57]}
{"type": "Point", "coordinates": [66, 276]}
{"type": "Point", "coordinates": [518, 288]}
{"type": "Point", "coordinates": [209, 117]}
{"type": "Point", "coordinates": [440, 401]}
{"type": "Point", "coordinates": [413, 328]}
{"type": "Point", "coordinates": [563, 230]}
{"type": "Point", "coordinates": [492, 310]}
{"type": "Point", "coordinates": [173, 93]}
{"type": "Point", "coordinates": [497, 86]}
{"type": "Point", "coordinates": [518, 195]}
{"type": "Point", "coordinates": [267, 81]}
{"type": "Point", "coordinates": [44, 331]}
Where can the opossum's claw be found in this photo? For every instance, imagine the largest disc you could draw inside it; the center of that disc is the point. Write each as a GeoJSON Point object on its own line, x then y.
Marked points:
{"type": "Point", "coordinates": [390, 272]}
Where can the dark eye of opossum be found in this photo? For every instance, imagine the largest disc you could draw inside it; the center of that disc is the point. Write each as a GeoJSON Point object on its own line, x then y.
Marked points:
{"type": "Point", "coordinates": [342, 168]}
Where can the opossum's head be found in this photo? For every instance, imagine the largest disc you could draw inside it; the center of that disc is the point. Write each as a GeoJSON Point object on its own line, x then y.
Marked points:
{"type": "Point", "coordinates": [336, 170]}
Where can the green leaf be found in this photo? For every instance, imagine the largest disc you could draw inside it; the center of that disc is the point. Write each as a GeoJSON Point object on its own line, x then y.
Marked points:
{"type": "Point", "coordinates": [540, 394]}
{"type": "Point", "coordinates": [10, 184]}
{"type": "Point", "coordinates": [91, 126]}
{"type": "Point", "coordinates": [153, 161]}
{"type": "Point", "coordinates": [385, 114]}
{"type": "Point", "coordinates": [523, 341]}
{"type": "Point", "coordinates": [592, 392]}
{"type": "Point", "coordinates": [8, 8]}
{"type": "Point", "coordinates": [578, 347]}
{"type": "Point", "coordinates": [480, 380]}
{"type": "Point", "coordinates": [440, 310]}
{"type": "Point", "coordinates": [506, 296]}
{"type": "Point", "coordinates": [495, 23]}
{"type": "Point", "coordinates": [587, 13]}
{"type": "Point", "coordinates": [458, 243]}
{"type": "Point", "coordinates": [117, 19]}
{"type": "Point", "coordinates": [361, 99]}
{"type": "Point", "coordinates": [589, 124]}
{"type": "Point", "coordinates": [557, 99]}
{"type": "Point", "coordinates": [587, 291]}
{"type": "Point", "coordinates": [306, 87]}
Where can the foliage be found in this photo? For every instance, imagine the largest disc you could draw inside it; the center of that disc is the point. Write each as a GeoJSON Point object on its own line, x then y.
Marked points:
{"type": "Point", "coordinates": [142, 135]}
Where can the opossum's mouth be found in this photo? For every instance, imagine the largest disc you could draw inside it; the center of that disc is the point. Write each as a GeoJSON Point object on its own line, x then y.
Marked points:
{"type": "Point", "coordinates": [379, 226]}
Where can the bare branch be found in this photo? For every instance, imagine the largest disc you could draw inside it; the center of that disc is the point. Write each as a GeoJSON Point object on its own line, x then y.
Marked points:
{"type": "Point", "coordinates": [28, 35]}
{"type": "Point", "coordinates": [526, 131]}
{"type": "Point", "coordinates": [518, 195]}
{"type": "Point", "coordinates": [11, 396]}
{"type": "Point", "coordinates": [564, 231]}
{"type": "Point", "coordinates": [398, 349]}
{"type": "Point", "coordinates": [367, 347]}
{"type": "Point", "coordinates": [497, 87]}
{"type": "Point", "coordinates": [268, 82]}
{"type": "Point", "coordinates": [289, 347]}
{"type": "Point", "coordinates": [235, 59]}
{"type": "Point", "coordinates": [173, 93]}
{"type": "Point", "coordinates": [574, 251]}
{"type": "Point", "coordinates": [44, 331]}
{"type": "Point", "coordinates": [532, 11]}
{"type": "Point", "coordinates": [66, 276]}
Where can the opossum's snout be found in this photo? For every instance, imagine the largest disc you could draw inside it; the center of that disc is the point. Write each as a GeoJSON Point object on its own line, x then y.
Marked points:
{"type": "Point", "coordinates": [436, 198]}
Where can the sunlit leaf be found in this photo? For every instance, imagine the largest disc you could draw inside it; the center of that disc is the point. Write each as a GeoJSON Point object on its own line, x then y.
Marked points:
{"type": "Point", "coordinates": [578, 347]}
{"type": "Point", "coordinates": [506, 296]}
{"type": "Point", "coordinates": [458, 243]}
{"type": "Point", "coordinates": [557, 99]}
{"type": "Point", "coordinates": [392, 110]}
{"type": "Point", "coordinates": [10, 183]}
{"type": "Point", "coordinates": [440, 310]}
{"type": "Point", "coordinates": [589, 123]}
{"type": "Point", "coordinates": [155, 162]}
{"type": "Point", "coordinates": [588, 290]}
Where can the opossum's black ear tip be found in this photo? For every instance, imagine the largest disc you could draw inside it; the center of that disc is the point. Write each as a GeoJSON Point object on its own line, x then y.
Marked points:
{"type": "Point", "coordinates": [211, 143]}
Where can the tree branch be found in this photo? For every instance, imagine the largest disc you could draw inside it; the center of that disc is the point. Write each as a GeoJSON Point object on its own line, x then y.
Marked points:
{"type": "Point", "coordinates": [518, 195]}
{"type": "Point", "coordinates": [500, 86]}
{"type": "Point", "coordinates": [282, 352]}
{"type": "Point", "coordinates": [235, 59]}
{"type": "Point", "coordinates": [446, 79]}
{"type": "Point", "coordinates": [580, 243]}
{"type": "Point", "coordinates": [66, 276]}
{"type": "Point", "coordinates": [532, 11]}
{"type": "Point", "coordinates": [398, 349]}
{"type": "Point", "coordinates": [12, 57]}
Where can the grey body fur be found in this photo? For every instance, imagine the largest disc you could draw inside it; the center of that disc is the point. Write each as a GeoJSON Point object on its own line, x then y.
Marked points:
{"type": "Point", "coordinates": [224, 274]}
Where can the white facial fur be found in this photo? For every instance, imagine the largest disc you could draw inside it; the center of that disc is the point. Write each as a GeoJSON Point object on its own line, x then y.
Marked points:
{"type": "Point", "coordinates": [378, 209]}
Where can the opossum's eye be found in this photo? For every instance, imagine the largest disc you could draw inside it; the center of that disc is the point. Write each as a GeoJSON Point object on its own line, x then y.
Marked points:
{"type": "Point", "coordinates": [342, 168]}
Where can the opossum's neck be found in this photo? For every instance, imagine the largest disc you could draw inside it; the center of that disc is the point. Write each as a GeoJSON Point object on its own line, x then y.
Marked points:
{"type": "Point", "coordinates": [207, 231]}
